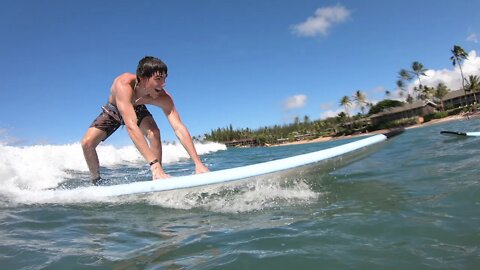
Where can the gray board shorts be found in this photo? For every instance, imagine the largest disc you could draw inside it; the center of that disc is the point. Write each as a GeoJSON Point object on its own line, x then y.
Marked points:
{"type": "Point", "coordinates": [110, 119]}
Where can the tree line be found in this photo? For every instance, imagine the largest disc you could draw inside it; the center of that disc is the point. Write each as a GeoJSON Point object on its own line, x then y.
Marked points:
{"type": "Point", "coordinates": [345, 123]}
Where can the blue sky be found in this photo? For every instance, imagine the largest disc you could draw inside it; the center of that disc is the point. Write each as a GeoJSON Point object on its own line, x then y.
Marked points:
{"type": "Point", "coordinates": [245, 63]}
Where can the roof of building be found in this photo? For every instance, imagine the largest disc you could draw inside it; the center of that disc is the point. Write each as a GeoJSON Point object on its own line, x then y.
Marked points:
{"type": "Point", "coordinates": [454, 94]}
{"type": "Point", "coordinates": [420, 103]}
{"type": "Point", "coordinates": [406, 107]}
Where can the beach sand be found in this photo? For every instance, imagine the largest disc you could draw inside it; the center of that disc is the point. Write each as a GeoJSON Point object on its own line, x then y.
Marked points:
{"type": "Point", "coordinates": [431, 122]}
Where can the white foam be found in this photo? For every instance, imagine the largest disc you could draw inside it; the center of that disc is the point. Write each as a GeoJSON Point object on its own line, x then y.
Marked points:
{"type": "Point", "coordinates": [42, 167]}
{"type": "Point", "coordinates": [236, 197]}
{"type": "Point", "coordinates": [264, 192]}
{"type": "Point", "coordinates": [27, 175]}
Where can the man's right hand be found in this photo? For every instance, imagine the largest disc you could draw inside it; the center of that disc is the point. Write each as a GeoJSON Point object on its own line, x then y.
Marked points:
{"type": "Point", "coordinates": [158, 172]}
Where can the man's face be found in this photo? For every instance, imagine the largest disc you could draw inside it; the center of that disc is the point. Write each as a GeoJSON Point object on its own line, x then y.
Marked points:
{"type": "Point", "coordinates": [156, 83]}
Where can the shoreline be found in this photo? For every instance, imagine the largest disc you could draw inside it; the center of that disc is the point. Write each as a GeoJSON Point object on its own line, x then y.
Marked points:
{"type": "Point", "coordinates": [431, 122]}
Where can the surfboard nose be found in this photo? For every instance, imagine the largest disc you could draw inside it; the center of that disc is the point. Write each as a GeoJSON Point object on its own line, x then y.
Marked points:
{"type": "Point", "coordinates": [394, 132]}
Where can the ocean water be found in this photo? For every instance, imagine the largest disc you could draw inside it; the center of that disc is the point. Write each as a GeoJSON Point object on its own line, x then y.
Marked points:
{"type": "Point", "coordinates": [410, 203]}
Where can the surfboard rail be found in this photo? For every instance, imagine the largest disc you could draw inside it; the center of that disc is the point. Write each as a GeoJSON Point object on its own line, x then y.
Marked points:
{"type": "Point", "coordinates": [234, 174]}
{"type": "Point", "coordinates": [456, 133]}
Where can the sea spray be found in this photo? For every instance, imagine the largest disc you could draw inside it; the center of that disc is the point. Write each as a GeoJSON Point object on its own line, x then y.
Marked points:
{"type": "Point", "coordinates": [42, 167]}
{"type": "Point", "coordinates": [262, 192]}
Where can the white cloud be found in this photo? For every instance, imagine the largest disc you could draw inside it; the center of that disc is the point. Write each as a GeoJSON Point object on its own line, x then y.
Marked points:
{"type": "Point", "coordinates": [473, 38]}
{"type": "Point", "coordinates": [330, 113]}
{"type": "Point", "coordinates": [322, 21]}
{"type": "Point", "coordinates": [450, 77]}
{"type": "Point", "coordinates": [354, 108]}
{"type": "Point", "coordinates": [295, 102]}
{"type": "Point", "coordinates": [328, 110]}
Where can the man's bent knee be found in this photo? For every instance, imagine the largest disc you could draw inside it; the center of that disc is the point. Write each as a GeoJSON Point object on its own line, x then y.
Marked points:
{"type": "Point", "coordinates": [153, 134]}
{"type": "Point", "coordinates": [91, 140]}
{"type": "Point", "coordinates": [88, 143]}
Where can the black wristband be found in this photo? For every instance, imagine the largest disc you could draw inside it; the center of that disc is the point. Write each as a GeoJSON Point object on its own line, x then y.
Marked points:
{"type": "Point", "coordinates": [153, 162]}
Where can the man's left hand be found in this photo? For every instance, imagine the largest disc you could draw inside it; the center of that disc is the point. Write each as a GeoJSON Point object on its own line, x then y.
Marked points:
{"type": "Point", "coordinates": [200, 168]}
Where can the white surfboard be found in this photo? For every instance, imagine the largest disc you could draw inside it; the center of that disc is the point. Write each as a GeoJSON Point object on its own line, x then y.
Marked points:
{"type": "Point", "coordinates": [233, 174]}
{"type": "Point", "coordinates": [455, 133]}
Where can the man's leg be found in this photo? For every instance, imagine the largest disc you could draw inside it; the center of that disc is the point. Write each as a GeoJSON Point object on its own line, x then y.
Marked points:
{"type": "Point", "coordinates": [92, 138]}
{"type": "Point", "coordinates": [151, 131]}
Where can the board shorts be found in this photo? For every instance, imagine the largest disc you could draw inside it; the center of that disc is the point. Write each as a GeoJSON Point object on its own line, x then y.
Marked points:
{"type": "Point", "coordinates": [110, 118]}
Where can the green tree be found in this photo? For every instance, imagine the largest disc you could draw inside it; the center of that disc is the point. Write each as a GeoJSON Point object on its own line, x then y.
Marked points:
{"type": "Point", "coordinates": [419, 70]}
{"type": "Point", "coordinates": [342, 118]}
{"type": "Point", "coordinates": [404, 75]}
{"type": "Point", "coordinates": [401, 86]}
{"type": "Point", "coordinates": [473, 85]}
{"type": "Point", "coordinates": [346, 103]}
{"type": "Point", "coordinates": [458, 57]}
{"type": "Point", "coordinates": [384, 104]}
{"type": "Point", "coordinates": [296, 120]}
{"type": "Point", "coordinates": [361, 100]}
{"type": "Point", "coordinates": [440, 92]}
{"type": "Point", "coordinates": [426, 92]}
{"type": "Point", "coordinates": [306, 119]}
{"type": "Point", "coordinates": [409, 99]}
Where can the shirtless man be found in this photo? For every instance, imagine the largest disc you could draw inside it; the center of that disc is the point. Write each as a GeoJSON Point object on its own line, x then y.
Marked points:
{"type": "Point", "coordinates": [126, 106]}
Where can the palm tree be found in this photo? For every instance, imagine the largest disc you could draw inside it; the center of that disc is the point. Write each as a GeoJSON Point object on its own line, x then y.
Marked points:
{"type": "Point", "coordinates": [361, 100]}
{"type": "Point", "coordinates": [409, 99]}
{"type": "Point", "coordinates": [417, 92]}
{"type": "Point", "coordinates": [473, 84]}
{"type": "Point", "coordinates": [306, 119]}
{"type": "Point", "coordinates": [459, 55]}
{"type": "Point", "coordinates": [418, 70]}
{"type": "Point", "coordinates": [342, 118]}
{"type": "Point", "coordinates": [401, 87]}
{"type": "Point", "coordinates": [296, 120]}
{"type": "Point", "coordinates": [440, 92]}
{"type": "Point", "coordinates": [426, 92]}
{"type": "Point", "coordinates": [404, 75]}
{"type": "Point", "coordinates": [408, 75]}
{"type": "Point", "coordinates": [346, 103]}
{"type": "Point", "coordinates": [401, 84]}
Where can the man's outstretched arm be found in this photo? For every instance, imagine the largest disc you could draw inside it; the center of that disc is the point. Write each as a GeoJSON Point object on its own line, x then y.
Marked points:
{"type": "Point", "coordinates": [125, 107]}
{"type": "Point", "coordinates": [184, 136]}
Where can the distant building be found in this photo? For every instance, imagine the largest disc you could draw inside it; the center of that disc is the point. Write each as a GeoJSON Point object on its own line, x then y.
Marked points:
{"type": "Point", "coordinates": [418, 108]}
{"type": "Point", "coordinates": [306, 136]}
{"type": "Point", "coordinates": [242, 143]}
{"type": "Point", "coordinates": [455, 99]}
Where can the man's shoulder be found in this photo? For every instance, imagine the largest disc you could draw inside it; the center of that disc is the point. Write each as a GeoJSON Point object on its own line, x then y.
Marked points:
{"type": "Point", "coordinates": [125, 78]}
{"type": "Point", "coordinates": [125, 81]}
{"type": "Point", "coordinates": [163, 100]}
{"type": "Point", "coordinates": [164, 95]}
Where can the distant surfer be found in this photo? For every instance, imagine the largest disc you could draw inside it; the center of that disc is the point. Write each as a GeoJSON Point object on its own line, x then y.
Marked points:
{"type": "Point", "coordinates": [126, 106]}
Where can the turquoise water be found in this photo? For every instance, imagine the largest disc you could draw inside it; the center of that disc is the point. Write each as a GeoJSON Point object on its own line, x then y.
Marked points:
{"type": "Point", "coordinates": [414, 203]}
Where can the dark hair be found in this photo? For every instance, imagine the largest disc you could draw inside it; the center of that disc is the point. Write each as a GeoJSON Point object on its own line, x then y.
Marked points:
{"type": "Point", "coordinates": [149, 65]}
